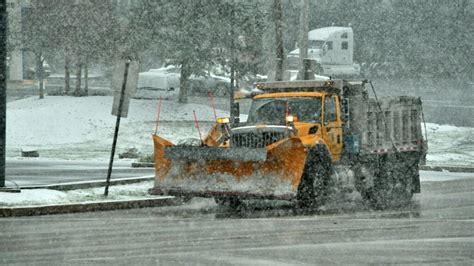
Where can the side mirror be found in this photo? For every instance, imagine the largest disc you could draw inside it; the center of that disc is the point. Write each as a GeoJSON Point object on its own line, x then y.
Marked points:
{"type": "Point", "coordinates": [345, 109]}
{"type": "Point", "coordinates": [325, 48]}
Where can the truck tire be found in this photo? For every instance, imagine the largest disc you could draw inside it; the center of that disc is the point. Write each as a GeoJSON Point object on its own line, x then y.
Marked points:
{"type": "Point", "coordinates": [393, 184]}
{"type": "Point", "coordinates": [313, 190]}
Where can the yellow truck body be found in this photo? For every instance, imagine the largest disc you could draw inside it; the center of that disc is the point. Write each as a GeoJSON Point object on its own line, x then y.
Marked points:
{"type": "Point", "coordinates": [302, 137]}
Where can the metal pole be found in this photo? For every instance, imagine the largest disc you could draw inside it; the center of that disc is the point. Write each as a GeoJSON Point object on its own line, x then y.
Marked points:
{"type": "Point", "coordinates": [278, 16]}
{"type": "Point", "coordinates": [303, 40]}
{"type": "Point", "coordinates": [3, 87]}
{"type": "Point", "coordinates": [117, 125]}
{"type": "Point", "coordinates": [232, 65]}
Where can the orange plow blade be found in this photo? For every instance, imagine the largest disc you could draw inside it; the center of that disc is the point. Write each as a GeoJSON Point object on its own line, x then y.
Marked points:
{"type": "Point", "coordinates": [271, 172]}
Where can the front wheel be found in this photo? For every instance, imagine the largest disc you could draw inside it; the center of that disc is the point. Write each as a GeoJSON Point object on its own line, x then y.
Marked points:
{"type": "Point", "coordinates": [313, 190]}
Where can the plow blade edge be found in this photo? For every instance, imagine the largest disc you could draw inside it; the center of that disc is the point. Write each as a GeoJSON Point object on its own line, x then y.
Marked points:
{"type": "Point", "coordinates": [190, 153]}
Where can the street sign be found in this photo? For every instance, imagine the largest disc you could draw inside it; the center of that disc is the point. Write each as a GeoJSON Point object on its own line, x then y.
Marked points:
{"type": "Point", "coordinates": [124, 83]}
{"type": "Point", "coordinates": [117, 83]}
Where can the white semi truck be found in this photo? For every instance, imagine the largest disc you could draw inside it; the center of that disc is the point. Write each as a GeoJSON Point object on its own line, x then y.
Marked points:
{"type": "Point", "coordinates": [332, 50]}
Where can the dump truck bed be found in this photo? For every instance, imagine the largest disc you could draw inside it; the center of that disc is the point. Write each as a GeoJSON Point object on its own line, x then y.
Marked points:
{"type": "Point", "coordinates": [390, 121]}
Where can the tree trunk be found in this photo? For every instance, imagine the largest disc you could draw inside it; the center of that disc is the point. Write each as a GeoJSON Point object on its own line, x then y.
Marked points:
{"type": "Point", "coordinates": [231, 94]}
{"type": "Point", "coordinates": [232, 67]}
{"type": "Point", "coordinates": [77, 91]}
{"type": "Point", "coordinates": [277, 16]}
{"type": "Point", "coordinates": [303, 38]}
{"type": "Point", "coordinates": [184, 82]}
{"type": "Point", "coordinates": [39, 75]}
{"type": "Point", "coordinates": [67, 75]}
{"type": "Point", "coordinates": [86, 79]}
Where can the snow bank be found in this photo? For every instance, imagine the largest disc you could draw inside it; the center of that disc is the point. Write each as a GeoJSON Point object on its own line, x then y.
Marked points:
{"type": "Point", "coordinates": [83, 127]}
{"type": "Point", "coordinates": [450, 145]}
{"type": "Point", "coordinates": [32, 197]}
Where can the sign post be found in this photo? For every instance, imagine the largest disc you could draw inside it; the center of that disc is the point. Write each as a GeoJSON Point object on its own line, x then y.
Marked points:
{"type": "Point", "coordinates": [3, 88]}
{"type": "Point", "coordinates": [124, 85]}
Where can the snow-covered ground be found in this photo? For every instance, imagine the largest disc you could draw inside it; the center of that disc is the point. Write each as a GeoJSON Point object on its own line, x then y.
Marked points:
{"type": "Point", "coordinates": [82, 128]}
{"type": "Point", "coordinates": [450, 145]}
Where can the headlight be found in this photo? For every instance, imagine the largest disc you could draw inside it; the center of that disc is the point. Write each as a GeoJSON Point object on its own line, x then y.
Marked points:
{"type": "Point", "coordinates": [223, 120]}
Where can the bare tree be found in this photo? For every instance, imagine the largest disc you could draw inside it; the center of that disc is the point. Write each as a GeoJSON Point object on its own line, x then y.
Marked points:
{"type": "Point", "coordinates": [77, 91]}
{"type": "Point", "coordinates": [67, 74]}
{"type": "Point", "coordinates": [40, 73]}
{"type": "Point", "coordinates": [38, 37]}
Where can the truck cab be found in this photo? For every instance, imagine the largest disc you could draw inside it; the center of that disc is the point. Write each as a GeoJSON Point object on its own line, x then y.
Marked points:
{"type": "Point", "coordinates": [332, 49]}
{"type": "Point", "coordinates": [312, 116]}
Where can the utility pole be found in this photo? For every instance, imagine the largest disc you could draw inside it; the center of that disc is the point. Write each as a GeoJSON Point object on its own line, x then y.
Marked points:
{"type": "Point", "coordinates": [278, 17]}
{"type": "Point", "coordinates": [3, 88]}
{"type": "Point", "coordinates": [232, 65]}
{"type": "Point", "coordinates": [303, 38]}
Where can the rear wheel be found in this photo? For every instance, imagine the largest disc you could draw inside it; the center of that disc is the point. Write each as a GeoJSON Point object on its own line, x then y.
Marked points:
{"type": "Point", "coordinates": [313, 190]}
{"type": "Point", "coordinates": [393, 184]}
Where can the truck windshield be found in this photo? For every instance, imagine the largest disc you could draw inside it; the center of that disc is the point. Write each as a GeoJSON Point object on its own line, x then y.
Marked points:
{"type": "Point", "coordinates": [273, 110]}
{"type": "Point", "coordinates": [315, 44]}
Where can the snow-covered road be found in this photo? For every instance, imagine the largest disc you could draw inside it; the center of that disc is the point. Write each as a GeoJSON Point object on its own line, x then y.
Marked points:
{"type": "Point", "coordinates": [435, 229]}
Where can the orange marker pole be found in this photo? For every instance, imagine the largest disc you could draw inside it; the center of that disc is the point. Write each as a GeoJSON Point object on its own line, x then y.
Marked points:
{"type": "Point", "coordinates": [213, 105]}
{"type": "Point", "coordinates": [197, 125]}
{"type": "Point", "coordinates": [158, 116]}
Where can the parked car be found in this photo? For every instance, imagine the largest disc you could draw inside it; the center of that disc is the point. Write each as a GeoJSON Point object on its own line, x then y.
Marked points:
{"type": "Point", "coordinates": [202, 85]}
{"type": "Point", "coordinates": [162, 82]}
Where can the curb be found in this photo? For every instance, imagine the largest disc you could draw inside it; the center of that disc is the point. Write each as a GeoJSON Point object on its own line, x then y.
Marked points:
{"type": "Point", "coordinates": [87, 207]}
{"type": "Point", "coordinates": [455, 169]}
{"type": "Point", "coordinates": [91, 184]}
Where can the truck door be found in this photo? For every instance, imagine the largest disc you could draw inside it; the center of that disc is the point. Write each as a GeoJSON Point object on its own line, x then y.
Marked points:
{"type": "Point", "coordinates": [332, 126]}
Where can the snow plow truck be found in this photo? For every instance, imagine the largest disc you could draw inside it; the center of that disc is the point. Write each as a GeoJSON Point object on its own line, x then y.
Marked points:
{"type": "Point", "coordinates": [301, 139]}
